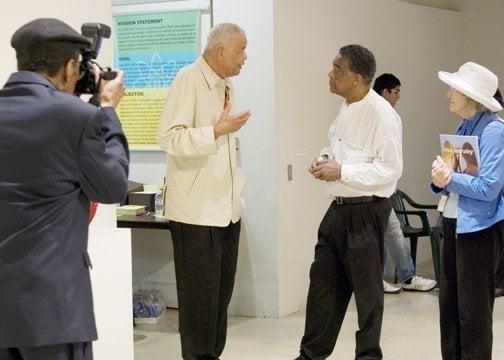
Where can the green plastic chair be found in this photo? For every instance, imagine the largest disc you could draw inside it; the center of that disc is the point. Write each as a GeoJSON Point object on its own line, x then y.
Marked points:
{"type": "Point", "coordinates": [413, 233]}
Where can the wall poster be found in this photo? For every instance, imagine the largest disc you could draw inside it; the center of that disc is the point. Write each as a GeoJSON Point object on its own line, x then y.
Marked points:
{"type": "Point", "coordinates": [150, 48]}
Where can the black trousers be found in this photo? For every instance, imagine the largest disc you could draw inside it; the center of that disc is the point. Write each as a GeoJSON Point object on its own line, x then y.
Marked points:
{"type": "Point", "coordinates": [466, 293]}
{"type": "Point", "coordinates": [205, 267]}
{"type": "Point", "coordinates": [77, 351]}
{"type": "Point", "coordinates": [348, 259]}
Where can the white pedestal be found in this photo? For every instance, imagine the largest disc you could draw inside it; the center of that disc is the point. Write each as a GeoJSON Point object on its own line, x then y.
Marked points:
{"type": "Point", "coordinates": [110, 252]}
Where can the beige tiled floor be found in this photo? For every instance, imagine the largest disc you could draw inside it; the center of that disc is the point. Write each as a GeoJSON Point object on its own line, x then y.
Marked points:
{"type": "Point", "coordinates": [410, 332]}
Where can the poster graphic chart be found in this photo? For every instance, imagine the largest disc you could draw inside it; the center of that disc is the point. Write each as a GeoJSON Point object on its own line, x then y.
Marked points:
{"type": "Point", "coordinates": [150, 49]}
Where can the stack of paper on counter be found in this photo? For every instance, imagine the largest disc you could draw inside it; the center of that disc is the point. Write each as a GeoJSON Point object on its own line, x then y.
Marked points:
{"type": "Point", "coordinates": [131, 210]}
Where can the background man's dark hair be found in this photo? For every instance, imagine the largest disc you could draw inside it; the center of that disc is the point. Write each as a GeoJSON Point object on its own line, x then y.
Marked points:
{"type": "Point", "coordinates": [360, 61]}
{"type": "Point", "coordinates": [48, 58]}
{"type": "Point", "coordinates": [385, 81]}
{"type": "Point", "coordinates": [498, 97]}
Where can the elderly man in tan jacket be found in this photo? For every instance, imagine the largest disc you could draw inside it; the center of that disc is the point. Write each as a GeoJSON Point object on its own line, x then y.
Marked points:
{"type": "Point", "coordinates": [204, 185]}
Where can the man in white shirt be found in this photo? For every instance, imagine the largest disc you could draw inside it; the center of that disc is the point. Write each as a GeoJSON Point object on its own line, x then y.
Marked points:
{"type": "Point", "coordinates": [203, 190]}
{"type": "Point", "coordinates": [360, 167]}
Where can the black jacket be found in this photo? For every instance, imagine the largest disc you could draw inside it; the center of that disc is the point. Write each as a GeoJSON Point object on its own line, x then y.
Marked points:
{"type": "Point", "coordinates": [57, 153]}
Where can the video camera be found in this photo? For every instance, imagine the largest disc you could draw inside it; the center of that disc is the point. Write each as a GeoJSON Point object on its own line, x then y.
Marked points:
{"type": "Point", "coordinates": [87, 83]}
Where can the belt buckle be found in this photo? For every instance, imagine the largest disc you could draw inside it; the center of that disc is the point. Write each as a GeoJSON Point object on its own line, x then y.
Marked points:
{"type": "Point", "coordinates": [338, 200]}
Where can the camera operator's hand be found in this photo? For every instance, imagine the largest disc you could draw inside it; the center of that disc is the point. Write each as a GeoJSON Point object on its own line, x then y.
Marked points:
{"type": "Point", "coordinates": [96, 72]}
{"type": "Point", "coordinates": [112, 91]}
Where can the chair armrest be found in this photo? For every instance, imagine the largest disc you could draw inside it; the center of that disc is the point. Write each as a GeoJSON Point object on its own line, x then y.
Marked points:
{"type": "Point", "coordinates": [421, 214]}
{"type": "Point", "coordinates": [418, 205]}
{"type": "Point", "coordinates": [424, 206]}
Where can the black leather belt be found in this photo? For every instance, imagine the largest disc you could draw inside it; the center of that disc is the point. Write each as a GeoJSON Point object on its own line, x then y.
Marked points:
{"type": "Point", "coordinates": [355, 200]}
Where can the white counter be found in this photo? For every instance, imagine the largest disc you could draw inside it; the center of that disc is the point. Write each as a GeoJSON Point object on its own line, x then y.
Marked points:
{"type": "Point", "coordinates": [110, 252]}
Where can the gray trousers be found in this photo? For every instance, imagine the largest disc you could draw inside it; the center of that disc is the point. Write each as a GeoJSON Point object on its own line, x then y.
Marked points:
{"type": "Point", "coordinates": [399, 249]}
{"type": "Point", "coordinates": [76, 351]}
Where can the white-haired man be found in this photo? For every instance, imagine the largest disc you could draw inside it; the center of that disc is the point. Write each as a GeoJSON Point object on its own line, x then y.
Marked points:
{"type": "Point", "coordinates": [204, 189]}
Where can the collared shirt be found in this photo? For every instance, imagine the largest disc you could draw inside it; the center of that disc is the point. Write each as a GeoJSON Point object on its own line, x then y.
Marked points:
{"type": "Point", "coordinates": [366, 138]}
{"type": "Point", "coordinates": [204, 185]}
{"type": "Point", "coordinates": [481, 198]}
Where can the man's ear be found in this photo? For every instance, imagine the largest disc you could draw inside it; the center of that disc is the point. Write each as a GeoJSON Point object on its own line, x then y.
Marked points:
{"type": "Point", "coordinates": [220, 53]}
{"type": "Point", "coordinates": [358, 79]}
{"type": "Point", "coordinates": [69, 70]}
{"type": "Point", "coordinates": [68, 75]}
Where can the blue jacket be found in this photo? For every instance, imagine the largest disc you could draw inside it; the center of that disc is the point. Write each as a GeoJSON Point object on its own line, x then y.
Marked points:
{"type": "Point", "coordinates": [481, 198]}
{"type": "Point", "coordinates": [56, 154]}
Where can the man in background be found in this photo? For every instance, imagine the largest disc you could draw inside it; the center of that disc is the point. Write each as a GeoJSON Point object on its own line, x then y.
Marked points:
{"type": "Point", "coordinates": [203, 190]}
{"type": "Point", "coordinates": [389, 87]}
{"type": "Point", "coordinates": [57, 154]}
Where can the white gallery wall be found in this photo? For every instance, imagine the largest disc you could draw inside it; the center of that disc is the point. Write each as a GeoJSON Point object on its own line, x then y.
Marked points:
{"type": "Point", "coordinates": [256, 290]}
{"type": "Point", "coordinates": [482, 34]}
{"type": "Point", "coordinates": [409, 40]}
{"type": "Point", "coordinates": [75, 13]}
{"type": "Point", "coordinates": [291, 44]}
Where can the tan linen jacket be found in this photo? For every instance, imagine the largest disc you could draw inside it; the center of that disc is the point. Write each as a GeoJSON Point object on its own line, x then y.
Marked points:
{"type": "Point", "coordinates": [204, 185]}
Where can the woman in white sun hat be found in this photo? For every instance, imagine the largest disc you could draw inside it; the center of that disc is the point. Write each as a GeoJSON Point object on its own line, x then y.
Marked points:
{"type": "Point", "coordinates": [473, 218]}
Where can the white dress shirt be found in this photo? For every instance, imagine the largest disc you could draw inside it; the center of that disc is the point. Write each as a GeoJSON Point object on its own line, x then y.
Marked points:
{"type": "Point", "coordinates": [366, 138]}
{"type": "Point", "coordinates": [203, 183]}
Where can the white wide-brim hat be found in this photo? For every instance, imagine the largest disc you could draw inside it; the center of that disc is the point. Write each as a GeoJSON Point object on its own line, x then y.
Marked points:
{"type": "Point", "coordinates": [475, 81]}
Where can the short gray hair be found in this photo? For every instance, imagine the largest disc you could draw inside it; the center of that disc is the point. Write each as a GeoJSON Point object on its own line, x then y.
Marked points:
{"type": "Point", "coordinates": [360, 61]}
{"type": "Point", "coordinates": [473, 103]}
{"type": "Point", "coordinates": [220, 34]}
